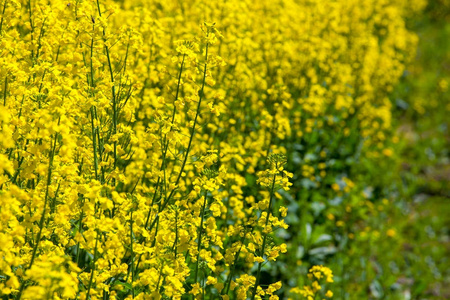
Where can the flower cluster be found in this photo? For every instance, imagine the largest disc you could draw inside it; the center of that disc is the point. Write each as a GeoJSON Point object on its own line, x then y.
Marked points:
{"type": "Point", "coordinates": [318, 275]}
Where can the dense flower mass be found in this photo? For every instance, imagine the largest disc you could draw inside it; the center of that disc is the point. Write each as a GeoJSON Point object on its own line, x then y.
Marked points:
{"type": "Point", "coordinates": [316, 275]}
{"type": "Point", "coordinates": [177, 149]}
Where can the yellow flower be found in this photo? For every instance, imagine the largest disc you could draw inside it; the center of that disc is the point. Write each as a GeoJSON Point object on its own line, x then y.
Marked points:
{"type": "Point", "coordinates": [196, 289]}
{"type": "Point", "coordinates": [211, 280]}
{"type": "Point", "coordinates": [391, 233]}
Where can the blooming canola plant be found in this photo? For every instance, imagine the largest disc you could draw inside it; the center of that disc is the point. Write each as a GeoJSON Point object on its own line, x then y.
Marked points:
{"type": "Point", "coordinates": [148, 148]}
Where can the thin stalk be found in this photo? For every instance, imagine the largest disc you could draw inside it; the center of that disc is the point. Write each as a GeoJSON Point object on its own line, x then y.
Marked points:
{"type": "Point", "coordinates": [41, 35]}
{"type": "Point", "coordinates": [163, 163]}
{"type": "Point", "coordinates": [3, 14]}
{"type": "Point", "coordinates": [94, 130]}
{"type": "Point", "coordinates": [93, 266]}
{"type": "Point", "coordinates": [53, 204]}
{"type": "Point", "coordinates": [94, 144]}
{"type": "Point", "coordinates": [174, 247]}
{"type": "Point", "coordinates": [6, 88]}
{"type": "Point", "coordinates": [258, 274]}
{"type": "Point", "coordinates": [147, 221]}
{"type": "Point", "coordinates": [203, 286]}
{"type": "Point", "coordinates": [31, 31]}
{"type": "Point", "coordinates": [79, 230]}
{"type": "Point", "coordinates": [201, 95]}
{"type": "Point", "coordinates": [132, 252]}
{"type": "Point", "coordinates": [113, 90]}
{"type": "Point", "coordinates": [91, 66]}
{"type": "Point", "coordinates": [167, 143]}
{"type": "Point", "coordinates": [199, 238]}
{"type": "Point", "coordinates": [233, 267]}
{"type": "Point", "coordinates": [41, 221]}
{"type": "Point", "coordinates": [153, 202]}
{"type": "Point", "coordinates": [159, 277]}
{"type": "Point", "coordinates": [165, 140]}
{"type": "Point", "coordinates": [172, 192]}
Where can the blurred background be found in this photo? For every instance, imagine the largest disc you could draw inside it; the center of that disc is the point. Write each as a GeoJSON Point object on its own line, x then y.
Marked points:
{"type": "Point", "coordinates": [423, 113]}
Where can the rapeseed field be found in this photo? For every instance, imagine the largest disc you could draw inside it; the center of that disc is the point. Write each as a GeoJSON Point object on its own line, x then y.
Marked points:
{"type": "Point", "coordinates": [221, 150]}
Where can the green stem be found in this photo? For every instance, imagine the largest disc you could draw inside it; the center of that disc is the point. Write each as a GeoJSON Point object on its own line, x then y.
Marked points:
{"type": "Point", "coordinates": [3, 14]}
{"type": "Point", "coordinates": [233, 267]}
{"type": "Point", "coordinates": [167, 143]}
{"type": "Point", "coordinates": [79, 230]}
{"type": "Point", "coordinates": [93, 266]}
{"type": "Point", "coordinates": [167, 201]}
{"type": "Point", "coordinates": [41, 221]}
{"type": "Point", "coordinates": [199, 237]}
{"type": "Point", "coordinates": [165, 140]}
{"type": "Point", "coordinates": [258, 274]}
{"type": "Point", "coordinates": [201, 95]}
{"type": "Point", "coordinates": [91, 65]}
{"type": "Point", "coordinates": [159, 277]}
{"type": "Point", "coordinates": [94, 144]}
{"type": "Point", "coordinates": [113, 91]}
{"type": "Point", "coordinates": [31, 31]}
{"type": "Point", "coordinates": [174, 247]}
{"type": "Point", "coordinates": [6, 89]}
{"type": "Point", "coordinates": [172, 192]}
{"type": "Point", "coordinates": [132, 252]}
